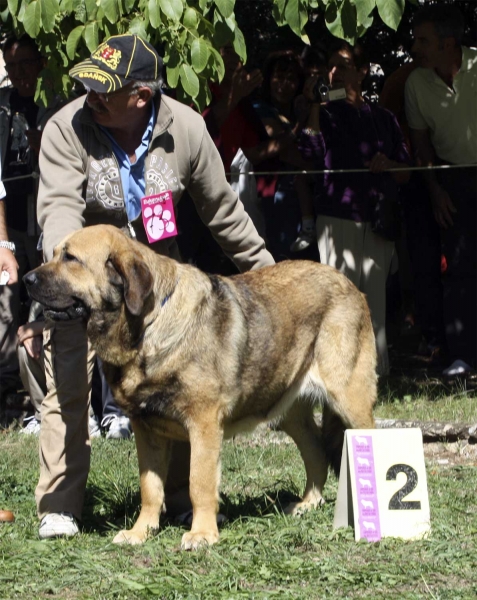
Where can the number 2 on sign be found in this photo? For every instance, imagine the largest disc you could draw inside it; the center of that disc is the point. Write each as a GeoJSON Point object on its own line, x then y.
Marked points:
{"type": "Point", "coordinates": [396, 502]}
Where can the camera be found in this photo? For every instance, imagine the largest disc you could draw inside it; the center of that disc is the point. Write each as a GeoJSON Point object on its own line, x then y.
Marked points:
{"type": "Point", "coordinates": [323, 93]}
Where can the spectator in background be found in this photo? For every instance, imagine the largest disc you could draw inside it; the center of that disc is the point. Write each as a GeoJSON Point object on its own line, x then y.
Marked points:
{"type": "Point", "coordinates": [441, 110]}
{"type": "Point", "coordinates": [8, 263]}
{"type": "Point", "coordinates": [282, 83]}
{"type": "Point", "coordinates": [350, 134]}
{"type": "Point", "coordinates": [236, 130]}
{"type": "Point", "coordinates": [21, 124]}
{"type": "Point", "coordinates": [422, 233]}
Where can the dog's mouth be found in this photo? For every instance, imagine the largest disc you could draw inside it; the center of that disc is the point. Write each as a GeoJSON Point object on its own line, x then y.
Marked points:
{"type": "Point", "coordinates": [77, 310]}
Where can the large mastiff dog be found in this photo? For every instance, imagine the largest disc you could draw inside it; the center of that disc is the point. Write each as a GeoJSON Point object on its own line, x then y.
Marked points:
{"type": "Point", "coordinates": [198, 357]}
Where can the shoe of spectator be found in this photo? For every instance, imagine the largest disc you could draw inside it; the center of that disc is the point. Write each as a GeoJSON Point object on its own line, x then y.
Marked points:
{"type": "Point", "coordinates": [94, 428]}
{"type": "Point", "coordinates": [458, 367]}
{"type": "Point", "coordinates": [303, 241]}
{"type": "Point", "coordinates": [119, 427]}
{"type": "Point", "coordinates": [58, 525]}
{"type": "Point", "coordinates": [33, 427]}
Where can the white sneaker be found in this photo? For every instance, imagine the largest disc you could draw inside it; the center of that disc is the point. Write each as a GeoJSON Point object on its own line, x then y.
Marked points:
{"type": "Point", "coordinates": [458, 367]}
{"type": "Point", "coordinates": [303, 241]}
{"type": "Point", "coordinates": [58, 525]}
{"type": "Point", "coordinates": [119, 427]}
{"type": "Point", "coordinates": [33, 427]}
{"type": "Point", "coordinates": [94, 428]}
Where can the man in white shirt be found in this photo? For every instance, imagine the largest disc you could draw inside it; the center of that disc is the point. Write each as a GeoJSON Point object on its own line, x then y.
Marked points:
{"type": "Point", "coordinates": [441, 109]}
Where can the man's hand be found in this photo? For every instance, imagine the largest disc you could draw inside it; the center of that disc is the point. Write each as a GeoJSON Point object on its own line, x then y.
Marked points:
{"type": "Point", "coordinates": [8, 263]}
{"type": "Point", "coordinates": [442, 206]}
{"type": "Point", "coordinates": [380, 163]}
{"type": "Point", "coordinates": [30, 336]}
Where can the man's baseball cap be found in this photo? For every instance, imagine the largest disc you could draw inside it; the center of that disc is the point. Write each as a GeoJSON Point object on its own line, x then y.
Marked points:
{"type": "Point", "coordinates": [116, 62]}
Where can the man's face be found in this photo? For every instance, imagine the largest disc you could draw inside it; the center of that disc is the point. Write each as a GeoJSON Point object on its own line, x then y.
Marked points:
{"type": "Point", "coordinates": [342, 71]}
{"type": "Point", "coordinates": [23, 66]}
{"type": "Point", "coordinates": [428, 51]}
{"type": "Point", "coordinates": [284, 85]}
{"type": "Point", "coordinates": [113, 110]}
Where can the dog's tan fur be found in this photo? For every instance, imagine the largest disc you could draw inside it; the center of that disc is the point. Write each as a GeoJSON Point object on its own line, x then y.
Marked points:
{"type": "Point", "coordinates": [200, 357]}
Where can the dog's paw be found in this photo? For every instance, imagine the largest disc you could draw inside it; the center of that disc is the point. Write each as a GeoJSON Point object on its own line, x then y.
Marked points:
{"type": "Point", "coordinates": [199, 539]}
{"type": "Point", "coordinates": [298, 508]}
{"type": "Point", "coordinates": [127, 536]}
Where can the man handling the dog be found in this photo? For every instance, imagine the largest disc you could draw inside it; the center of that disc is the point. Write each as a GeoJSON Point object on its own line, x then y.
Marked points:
{"type": "Point", "coordinates": [101, 160]}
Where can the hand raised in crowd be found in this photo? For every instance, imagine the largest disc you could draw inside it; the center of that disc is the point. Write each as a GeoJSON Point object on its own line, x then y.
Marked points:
{"type": "Point", "coordinates": [8, 263]}
{"type": "Point", "coordinates": [30, 336]}
{"type": "Point", "coordinates": [34, 139]}
{"type": "Point", "coordinates": [442, 207]}
{"type": "Point", "coordinates": [243, 83]}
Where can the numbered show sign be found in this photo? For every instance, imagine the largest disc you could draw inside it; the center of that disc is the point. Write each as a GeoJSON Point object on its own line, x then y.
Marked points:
{"type": "Point", "coordinates": [382, 491]}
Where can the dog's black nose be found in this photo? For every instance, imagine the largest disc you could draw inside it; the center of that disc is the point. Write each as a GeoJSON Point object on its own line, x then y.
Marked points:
{"type": "Point", "coordinates": [30, 279]}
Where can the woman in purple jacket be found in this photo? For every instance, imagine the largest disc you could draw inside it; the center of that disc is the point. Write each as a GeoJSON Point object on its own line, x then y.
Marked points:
{"type": "Point", "coordinates": [352, 134]}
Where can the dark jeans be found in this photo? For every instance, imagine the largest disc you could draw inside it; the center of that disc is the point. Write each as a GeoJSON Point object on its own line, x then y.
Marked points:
{"type": "Point", "coordinates": [460, 249]}
{"type": "Point", "coordinates": [424, 246]}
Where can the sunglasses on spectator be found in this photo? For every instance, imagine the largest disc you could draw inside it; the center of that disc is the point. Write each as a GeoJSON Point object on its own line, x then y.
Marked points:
{"type": "Point", "coordinates": [105, 97]}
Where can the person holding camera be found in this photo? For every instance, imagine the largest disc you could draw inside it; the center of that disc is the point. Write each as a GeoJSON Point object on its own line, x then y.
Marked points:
{"type": "Point", "coordinates": [349, 134]}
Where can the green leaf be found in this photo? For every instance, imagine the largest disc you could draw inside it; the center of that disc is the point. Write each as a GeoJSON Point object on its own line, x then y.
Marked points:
{"type": "Point", "coordinates": [91, 8]}
{"type": "Point", "coordinates": [129, 5]}
{"type": "Point", "coordinates": [66, 6]}
{"type": "Point", "coordinates": [49, 10]}
{"type": "Point", "coordinates": [280, 6]}
{"type": "Point", "coordinates": [292, 16]}
{"type": "Point", "coordinates": [189, 80]}
{"type": "Point", "coordinates": [13, 6]}
{"type": "Point", "coordinates": [154, 13]}
{"type": "Point", "coordinates": [72, 41]}
{"type": "Point", "coordinates": [342, 23]}
{"type": "Point", "coordinates": [239, 45]}
{"type": "Point", "coordinates": [111, 10]}
{"type": "Point", "coordinates": [217, 63]}
{"type": "Point", "coordinates": [199, 52]}
{"type": "Point", "coordinates": [391, 11]}
{"type": "Point", "coordinates": [91, 36]}
{"type": "Point", "coordinates": [138, 27]}
{"type": "Point", "coordinates": [226, 7]}
{"type": "Point", "coordinates": [172, 8]}
{"type": "Point", "coordinates": [190, 18]}
{"type": "Point", "coordinates": [32, 18]}
{"type": "Point", "coordinates": [172, 74]}
{"type": "Point", "coordinates": [363, 9]}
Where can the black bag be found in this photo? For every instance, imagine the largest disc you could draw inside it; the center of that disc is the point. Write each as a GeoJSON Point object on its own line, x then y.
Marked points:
{"type": "Point", "coordinates": [386, 217]}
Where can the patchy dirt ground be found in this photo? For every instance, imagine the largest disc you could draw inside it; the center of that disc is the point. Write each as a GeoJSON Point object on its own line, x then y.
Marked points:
{"type": "Point", "coordinates": [456, 453]}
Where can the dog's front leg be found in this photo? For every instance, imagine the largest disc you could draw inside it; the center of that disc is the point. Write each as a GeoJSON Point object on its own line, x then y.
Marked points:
{"type": "Point", "coordinates": [153, 457]}
{"type": "Point", "coordinates": [206, 442]}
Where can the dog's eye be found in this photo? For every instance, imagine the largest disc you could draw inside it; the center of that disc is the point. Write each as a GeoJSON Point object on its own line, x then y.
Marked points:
{"type": "Point", "coordinates": [69, 257]}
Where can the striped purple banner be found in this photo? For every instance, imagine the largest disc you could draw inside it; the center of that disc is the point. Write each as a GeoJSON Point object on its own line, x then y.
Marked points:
{"type": "Point", "coordinates": [368, 509]}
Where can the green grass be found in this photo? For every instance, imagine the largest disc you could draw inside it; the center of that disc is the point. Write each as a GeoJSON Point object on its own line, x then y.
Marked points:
{"type": "Point", "coordinates": [427, 399]}
{"type": "Point", "coordinates": [261, 554]}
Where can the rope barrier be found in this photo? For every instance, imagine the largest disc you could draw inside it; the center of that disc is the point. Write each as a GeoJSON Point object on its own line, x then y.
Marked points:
{"type": "Point", "coordinates": [305, 172]}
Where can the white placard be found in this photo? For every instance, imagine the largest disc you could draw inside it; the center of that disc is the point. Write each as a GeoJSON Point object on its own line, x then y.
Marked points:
{"type": "Point", "coordinates": [382, 491]}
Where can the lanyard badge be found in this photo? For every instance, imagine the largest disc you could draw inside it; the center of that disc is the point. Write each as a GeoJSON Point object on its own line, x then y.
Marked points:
{"type": "Point", "coordinates": [158, 216]}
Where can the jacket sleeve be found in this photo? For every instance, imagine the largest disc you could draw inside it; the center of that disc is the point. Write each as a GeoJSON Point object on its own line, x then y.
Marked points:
{"type": "Point", "coordinates": [221, 210]}
{"type": "Point", "coordinates": [62, 177]}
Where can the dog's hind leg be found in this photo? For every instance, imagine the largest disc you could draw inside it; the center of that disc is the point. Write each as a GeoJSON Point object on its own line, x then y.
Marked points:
{"type": "Point", "coordinates": [205, 434]}
{"type": "Point", "coordinates": [153, 456]}
{"type": "Point", "coordinates": [300, 425]}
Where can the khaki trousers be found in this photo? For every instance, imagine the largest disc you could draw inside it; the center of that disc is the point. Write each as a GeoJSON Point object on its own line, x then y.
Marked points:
{"type": "Point", "coordinates": [65, 447]}
{"type": "Point", "coordinates": [32, 373]}
{"type": "Point", "coordinates": [365, 259]}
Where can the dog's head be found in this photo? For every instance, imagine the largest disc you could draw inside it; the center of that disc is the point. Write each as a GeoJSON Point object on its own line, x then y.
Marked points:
{"type": "Point", "coordinates": [95, 271]}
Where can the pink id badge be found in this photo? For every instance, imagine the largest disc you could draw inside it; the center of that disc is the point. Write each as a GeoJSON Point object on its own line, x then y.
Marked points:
{"type": "Point", "coordinates": [158, 216]}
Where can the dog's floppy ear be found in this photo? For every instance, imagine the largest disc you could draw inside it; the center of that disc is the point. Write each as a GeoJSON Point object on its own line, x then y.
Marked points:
{"type": "Point", "coordinates": [132, 272]}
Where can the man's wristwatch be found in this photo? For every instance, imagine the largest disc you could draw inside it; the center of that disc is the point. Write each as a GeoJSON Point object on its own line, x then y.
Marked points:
{"type": "Point", "coordinates": [7, 245]}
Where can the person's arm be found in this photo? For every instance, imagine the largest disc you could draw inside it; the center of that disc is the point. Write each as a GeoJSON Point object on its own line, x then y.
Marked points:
{"type": "Point", "coordinates": [62, 176]}
{"type": "Point", "coordinates": [241, 85]}
{"type": "Point", "coordinates": [380, 163]}
{"type": "Point", "coordinates": [30, 336]}
{"type": "Point", "coordinates": [8, 262]}
{"type": "Point", "coordinates": [442, 205]}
